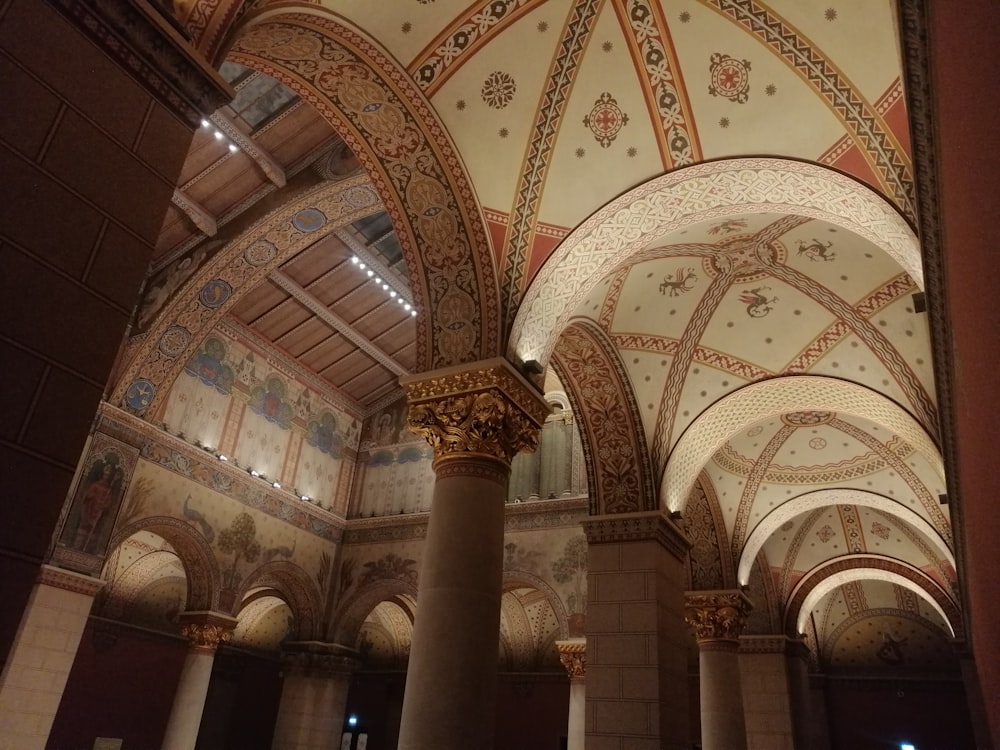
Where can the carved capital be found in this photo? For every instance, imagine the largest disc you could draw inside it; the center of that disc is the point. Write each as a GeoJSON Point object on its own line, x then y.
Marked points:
{"type": "Point", "coordinates": [317, 659]}
{"type": "Point", "coordinates": [487, 409]}
{"type": "Point", "coordinates": [206, 630]}
{"type": "Point", "coordinates": [717, 615]}
{"type": "Point", "coordinates": [573, 655]}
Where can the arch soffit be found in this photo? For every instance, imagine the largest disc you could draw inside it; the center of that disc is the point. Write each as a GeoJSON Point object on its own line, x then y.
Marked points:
{"type": "Point", "coordinates": [390, 126]}
{"type": "Point", "coordinates": [827, 577]}
{"type": "Point", "coordinates": [824, 498]}
{"type": "Point", "coordinates": [350, 615]}
{"type": "Point", "coordinates": [182, 326]}
{"type": "Point", "coordinates": [771, 398]}
{"type": "Point", "coordinates": [614, 235]}
{"type": "Point", "coordinates": [830, 642]}
{"type": "Point", "coordinates": [587, 362]}
{"type": "Point", "coordinates": [297, 589]}
{"type": "Point", "coordinates": [514, 579]}
{"type": "Point", "coordinates": [196, 555]}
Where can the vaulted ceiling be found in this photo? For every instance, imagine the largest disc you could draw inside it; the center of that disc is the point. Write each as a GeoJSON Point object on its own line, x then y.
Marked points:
{"type": "Point", "coordinates": [722, 188]}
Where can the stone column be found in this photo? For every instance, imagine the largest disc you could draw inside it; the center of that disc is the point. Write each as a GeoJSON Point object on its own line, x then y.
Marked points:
{"type": "Point", "coordinates": [775, 692]}
{"type": "Point", "coordinates": [205, 630]}
{"type": "Point", "coordinates": [316, 678]}
{"type": "Point", "coordinates": [42, 654]}
{"type": "Point", "coordinates": [573, 655]}
{"type": "Point", "coordinates": [819, 725]}
{"type": "Point", "coordinates": [637, 675]}
{"type": "Point", "coordinates": [476, 418]}
{"type": "Point", "coordinates": [718, 618]}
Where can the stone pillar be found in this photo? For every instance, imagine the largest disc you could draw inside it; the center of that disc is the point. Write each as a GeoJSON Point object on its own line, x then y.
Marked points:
{"type": "Point", "coordinates": [718, 618]}
{"type": "Point", "coordinates": [42, 654]}
{"type": "Point", "coordinates": [476, 418]}
{"type": "Point", "coordinates": [775, 684]}
{"type": "Point", "coordinates": [573, 655]}
{"type": "Point", "coordinates": [205, 630]}
{"type": "Point", "coordinates": [819, 725]}
{"type": "Point", "coordinates": [637, 685]}
{"type": "Point", "coordinates": [973, 694]}
{"type": "Point", "coordinates": [316, 678]}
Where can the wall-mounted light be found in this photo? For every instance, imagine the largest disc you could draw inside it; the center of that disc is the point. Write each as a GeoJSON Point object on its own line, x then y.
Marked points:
{"type": "Point", "coordinates": [222, 457]}
{"type": "Point", "coordinates": [253, 472]}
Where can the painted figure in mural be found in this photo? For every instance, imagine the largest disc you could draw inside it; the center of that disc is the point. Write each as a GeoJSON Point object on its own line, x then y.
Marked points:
{"type": "Point", "coordinates": [92, 514]}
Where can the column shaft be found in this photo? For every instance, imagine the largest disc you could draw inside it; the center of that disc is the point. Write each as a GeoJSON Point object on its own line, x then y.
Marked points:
{"type": "Point", "coordinates": [637, 692]}
{"type": "Point", "coordinates": [723, 726]}
{"type": "Point", "coordinates": [189, 701]}
{"type": "Point", "coordinates": [205, 630]}
{"type": "Point", "coordinates": [451, 678]}
{"type": "Point", "coordinates": [718, 617]}
{"type": "Point", "coordinates": [477, 417]}
{"type": "Point", "coordinates": [573, 655]}
{"type": "Point", "coordinates": [317, 677]}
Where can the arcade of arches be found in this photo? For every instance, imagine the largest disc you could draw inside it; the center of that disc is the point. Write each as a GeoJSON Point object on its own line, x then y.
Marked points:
{"type": "Point", "coordinates": [469, 374]}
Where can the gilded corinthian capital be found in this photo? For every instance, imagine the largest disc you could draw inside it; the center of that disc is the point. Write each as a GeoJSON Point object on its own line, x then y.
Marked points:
{"type": "Point", "coordinates": [716, 615]}
{"type": "Point", "coordinates": [486, 409]}
{"type": "Point", "coordinates": [206, 631]}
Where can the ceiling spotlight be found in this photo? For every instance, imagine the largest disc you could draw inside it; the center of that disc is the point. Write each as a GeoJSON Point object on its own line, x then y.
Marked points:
{"type": "Point", "coordinates": [378, 280]}
{"type": "Point", "coordinates": [371, 272]}
{"type": "Point", "coordinates": [407, 306]}
{"type": "Point", "coordinates": [392, 293]}
{"type": "Point", "coordinates": [399, 300]}
{"type": "Point", "coordinates": [413, 313]}
{"type": "Point", "coordinates": [354, 259]}
{"type": "Point", "coordinates": [232, 148]}
{"type": "Point", "coordinates": [218, 135]}
{"type": "Point", "coordinates": [385, 286]}
{"type": "Point", "coordinates": [205, 123]}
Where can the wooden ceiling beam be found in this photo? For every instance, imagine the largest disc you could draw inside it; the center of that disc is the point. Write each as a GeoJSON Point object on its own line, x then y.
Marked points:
{"type": "Point", "coordinates": [225, 123]}
{"type": "Point", "coordinates": [201, 217]}
{"type": "Point", "coordinates": [337, 323]}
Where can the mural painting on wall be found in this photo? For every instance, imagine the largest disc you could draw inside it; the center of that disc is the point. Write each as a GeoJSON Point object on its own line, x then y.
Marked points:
{"type": "Point", "coordinates": [269, 402]}
{"type": "Point", "coordinates": [390, 567]}
{"type": "Point", "coordinates": [165, 284]}
{"type": "Point", "coordinates": [388, 427]}
{"type": "Point", "coordinates": [209, 366]}
{"type": "Point", "coordinates": [571, 567]}
{"type": "Point", "coordinates": [84, 537]}
{"type": "Point", "coordinates": [518, 558]}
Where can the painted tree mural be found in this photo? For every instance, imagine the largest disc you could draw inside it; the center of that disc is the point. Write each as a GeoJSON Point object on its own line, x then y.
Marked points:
{"type": "Point", "coordinates": [240, 541]}
{"type": "Point", "coordinates": [571, 567]}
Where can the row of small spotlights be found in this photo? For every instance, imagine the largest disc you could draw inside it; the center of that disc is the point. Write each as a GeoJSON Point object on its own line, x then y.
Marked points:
{"type": "Point", "coordinates": [385, 286]}
{"type": "Point", "coordinates": [219, 136]}
{"type": "Point", "coordinates": [254, 473]}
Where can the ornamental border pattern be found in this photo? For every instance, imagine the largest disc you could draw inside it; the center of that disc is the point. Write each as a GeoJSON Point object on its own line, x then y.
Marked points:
{"type": "Point", "coordinates": [129, 36]}
{"type": "Point", "coordinates": [637, 527]}
{"type": "Point", "coordinates": [648, 35]}
{"type": "Point", "coordinates": [476, 28]}
{"type": "Point", "coordinates": [621, 229]}
{"type": "Point", "coordinates": [877, 141]}
{"type": "Point", "coordinates": [524, 214]}
{"type": "Point", "coordinates": [67, 580]}
{"type": "Point", "coordinates": [341, 203]}
{"type": "Point", "coordinates": [623, 480]}
{"type": "Point", "coordinates": [413, 158]}
{"type": "Point", "coordinates": [166, 451]}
